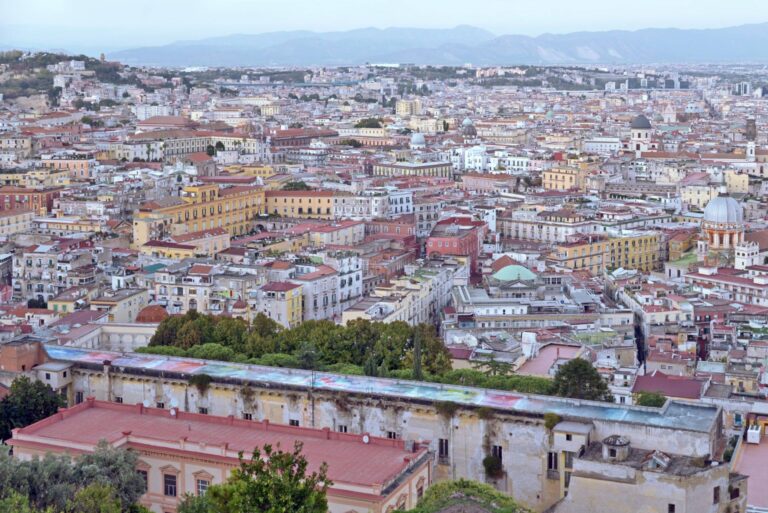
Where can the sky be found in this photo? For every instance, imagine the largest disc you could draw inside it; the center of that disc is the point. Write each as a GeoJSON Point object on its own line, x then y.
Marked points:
{"type": "Point", "coordinates": [105, 25]}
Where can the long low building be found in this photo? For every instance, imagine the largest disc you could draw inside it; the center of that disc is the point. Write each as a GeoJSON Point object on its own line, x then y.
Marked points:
{"type": "Point", "coordinates": [184, 453]}
{"type": "Point", "coordinates": [462, 426]}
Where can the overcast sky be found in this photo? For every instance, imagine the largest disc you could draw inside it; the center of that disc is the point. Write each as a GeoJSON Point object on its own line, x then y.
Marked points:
{"type": "Point", "coordinates": [95, 25]}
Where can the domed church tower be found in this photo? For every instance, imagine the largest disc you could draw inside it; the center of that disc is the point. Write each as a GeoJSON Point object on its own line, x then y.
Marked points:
{"type": "Point", "coordinates": [722, 229]}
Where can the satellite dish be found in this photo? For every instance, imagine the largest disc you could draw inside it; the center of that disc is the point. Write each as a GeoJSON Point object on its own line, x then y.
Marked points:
{"type": "Point", "coordinates": [366, 439]}
{"type": "Point", "coordinates": [173, 412]}
{"type": "Point", "coordinates": [146, 403]}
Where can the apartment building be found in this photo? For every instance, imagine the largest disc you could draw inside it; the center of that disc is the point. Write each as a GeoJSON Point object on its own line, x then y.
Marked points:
{"type": "Point", "coordinates": [431, 169]}
{"type": "Point", "coordinates": [39, 200]}
{"type": "Point", "coordinates": [617, 249]}
{"type": "Point", "coordinates": [181, 288]}
{"type": "Point", "coordinates": [301, 204]}
{"type": "Point", "coordinates": [122, 306]}
{"type": "Point", "coordinates": [200, 207]}
{"type": "Point", "coordinates": [281, 301]}
{"type": "Point", "coordinates": [15, 221]}
{"type": "Point", "coordinates": [564, 179]}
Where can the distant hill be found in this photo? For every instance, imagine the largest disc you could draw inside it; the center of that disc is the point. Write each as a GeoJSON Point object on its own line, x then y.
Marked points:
{"type": "Point", "coordinates": [460, 45]}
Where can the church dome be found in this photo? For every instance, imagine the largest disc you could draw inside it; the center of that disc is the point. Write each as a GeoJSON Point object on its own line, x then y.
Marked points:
{"type": "Point", "coordinates": [417, 140]}
{"type": "Point", "coordinates": [514, 273]}
{"type": "Point", "coordinates": [724, 210]}
{"type": "Point", "coordinates": [467, 122]}
{"type": "Point", "coordinates": [640, 123]}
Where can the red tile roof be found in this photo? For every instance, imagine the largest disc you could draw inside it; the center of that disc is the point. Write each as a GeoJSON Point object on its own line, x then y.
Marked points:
{"type": "Point", "coordinates": [349, 459]}
{"type": "Point", "coordinates": [670, 386]}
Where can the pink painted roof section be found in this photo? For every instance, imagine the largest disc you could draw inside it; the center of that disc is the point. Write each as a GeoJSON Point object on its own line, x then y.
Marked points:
{"type": "Point", "coordinates": [751, 462]}
{"type": "Point", "coordinates": [349, 459]}
{"type": "Point", "coordinates": [548, 355]}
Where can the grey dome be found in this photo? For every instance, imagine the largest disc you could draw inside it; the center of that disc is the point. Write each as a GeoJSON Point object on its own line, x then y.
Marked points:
{"type": "Point", "coordinates": [467, 122]}
{"type": "Point", "coordinates": [724, 210]}
{"type": "Point", "coordinates": [641, 123]}
{"type": "Point", "coordinates": [417, 139]}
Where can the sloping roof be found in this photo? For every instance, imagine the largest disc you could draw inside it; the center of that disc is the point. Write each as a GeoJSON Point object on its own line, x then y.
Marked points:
{"type": "Point", "coordinates": [514, 273]}
{"type": "Point", "coordinates": [670, 386]}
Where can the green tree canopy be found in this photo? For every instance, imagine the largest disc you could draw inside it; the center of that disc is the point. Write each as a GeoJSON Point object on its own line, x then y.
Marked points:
{"type": "Point", "coordinates": [27, 402]}
{"type": "Point", "coordinates": [446, 494]}
{"type": "Point", "coordinates": [296, 186]}
{"type": "Point", "coordinates": [271, 481]}
{"type": "Point", "coordinates": [369, 123]}
{"type": "Point", "coordinates": [651, 399]}
{"type": "Point", "coordinates": [580, 380]}
{"type": "Point", "coordinates": [107, 476]}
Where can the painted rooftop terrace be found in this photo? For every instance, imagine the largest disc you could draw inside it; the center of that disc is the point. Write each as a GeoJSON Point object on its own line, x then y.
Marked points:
{"type": "Point", "coordinates": [675, 415]}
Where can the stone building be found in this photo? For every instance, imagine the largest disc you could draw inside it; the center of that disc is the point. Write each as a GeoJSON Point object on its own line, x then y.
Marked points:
{"type": "Point", "coordinates": [460, 425]}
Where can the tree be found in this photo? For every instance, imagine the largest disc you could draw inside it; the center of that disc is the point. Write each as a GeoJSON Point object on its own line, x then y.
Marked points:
{"type": "Point", "coordinates": [492, 367]}
{"type": "Point", "coordinates": [27, 402]}
{"type": "Point", "coordinates": [651, 399]}
{"type": "Point", "coordinates": [210, 150]}
{"type": "Point", "coordinates": [418, 374]}
{"type": "Point", "coordinates": [272, 481]}
{"type": "Point", "coordinates": [465, 494]}
{"type": "Point", "coordinates": [95, 498]}
{"type": "Point", "coordinates": [369, 123]}
{"type": "Point", "coordinates": [296, 186]}
{"type": "Point", "coordinates": [219, 146]}
{"type": "Point", "coordinates": [580, 380]}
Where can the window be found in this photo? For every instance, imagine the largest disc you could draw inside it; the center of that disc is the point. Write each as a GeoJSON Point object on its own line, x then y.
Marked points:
{"type": "Point", "coordinates": [48, 376]}
{"type": "Point", "coordinates": [497, 452]}
{"type": "Point", "coordinates": [670, 508]}
{"type": "Point", "coordinates": [169, 485]}
{"type": "Point", "coordinates": [293, 422]}
{"type": "Point", "coordinates": [568, 437]}
{"type": "Point", "coordinates": [145, 476]}
{"type": "Point", "coordinates": [716, 495]}
{"type": "Point", "coordinates": [442, 448]}
{"type": "Point", "coordinates": [392, 435]}
{"type": "Point", "coordinates": [202, 411]}
{"type": "Point", "coordinates": [342, 428]}
{"type": "Point", "coordinates": [64, 374]}
{"type": "Point", "coordinates": [247, 416]}
{"type": "Point", "coordinates": [202, 486]}
{"type": "Point", "coordinates": [552, 461]}
{"type": "Point", "coordinates": [78, 397]}
{"type": "Point", "coordinates": [568, 459]}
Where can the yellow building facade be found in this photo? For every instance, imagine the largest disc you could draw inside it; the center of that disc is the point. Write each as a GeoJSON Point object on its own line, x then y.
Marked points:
{"type": "Point", "coordinates": [201, 207]}
{"type": "Point", "coordinates": [303, 204]}
{"type": "Point", "coordinates": [634, 250]}
{"type": "Point", "coordinates": [564, 179]}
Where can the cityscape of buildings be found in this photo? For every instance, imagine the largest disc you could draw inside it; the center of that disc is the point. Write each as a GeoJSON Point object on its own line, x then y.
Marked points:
{"type": "Point", "coordinates": [528, 216]}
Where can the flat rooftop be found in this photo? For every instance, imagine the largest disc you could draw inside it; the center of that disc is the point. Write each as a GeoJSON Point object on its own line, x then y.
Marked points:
{"type": "Point", "coordinates": [752, 462]}
{"type": "Point", "coordinates": [675, 415]}
{"type": "Point", "coordinates": [349, 459]}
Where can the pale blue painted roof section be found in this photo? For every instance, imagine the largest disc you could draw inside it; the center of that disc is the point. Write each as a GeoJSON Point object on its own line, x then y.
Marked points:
{"type": "Point", "coordinates": [514, 273]}
{"type": "Point", "coordinates": [676, 415]}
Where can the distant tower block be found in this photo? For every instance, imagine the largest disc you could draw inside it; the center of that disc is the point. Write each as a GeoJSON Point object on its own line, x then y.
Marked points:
{"type": "Point", "coordinates": [751, 131]}
{"type": "Point", "coordinates": [747, 254]}
{"type": "Point", "coordinates": [102, 57]}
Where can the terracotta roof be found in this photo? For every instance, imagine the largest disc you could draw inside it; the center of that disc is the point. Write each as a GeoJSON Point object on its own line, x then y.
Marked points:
{"type": "Point", "coordinates": [279, 286]}
{"type": "Point", "coordinates": [670, 386]}
{"type": "Point", "coordinates": [349, 459]}
{"type": "Point", "coordinates": [200, 269]}
{"type": "Point", "coordinates": [152, 314]}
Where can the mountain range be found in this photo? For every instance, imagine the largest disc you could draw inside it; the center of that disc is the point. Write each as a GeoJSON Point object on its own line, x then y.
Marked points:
{"type": "Point", "coordinates": [461, 45]}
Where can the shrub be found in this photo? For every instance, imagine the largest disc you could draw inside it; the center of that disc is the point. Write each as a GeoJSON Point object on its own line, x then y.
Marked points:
{"type": "Point", "coordinates": [551, 420]}
{"type": "Point", "coordinates": [446, 408]}
{"type": "Point", "coordinates": [201, 382]}
{"type": "Point", "coordinates": [493, 467]}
